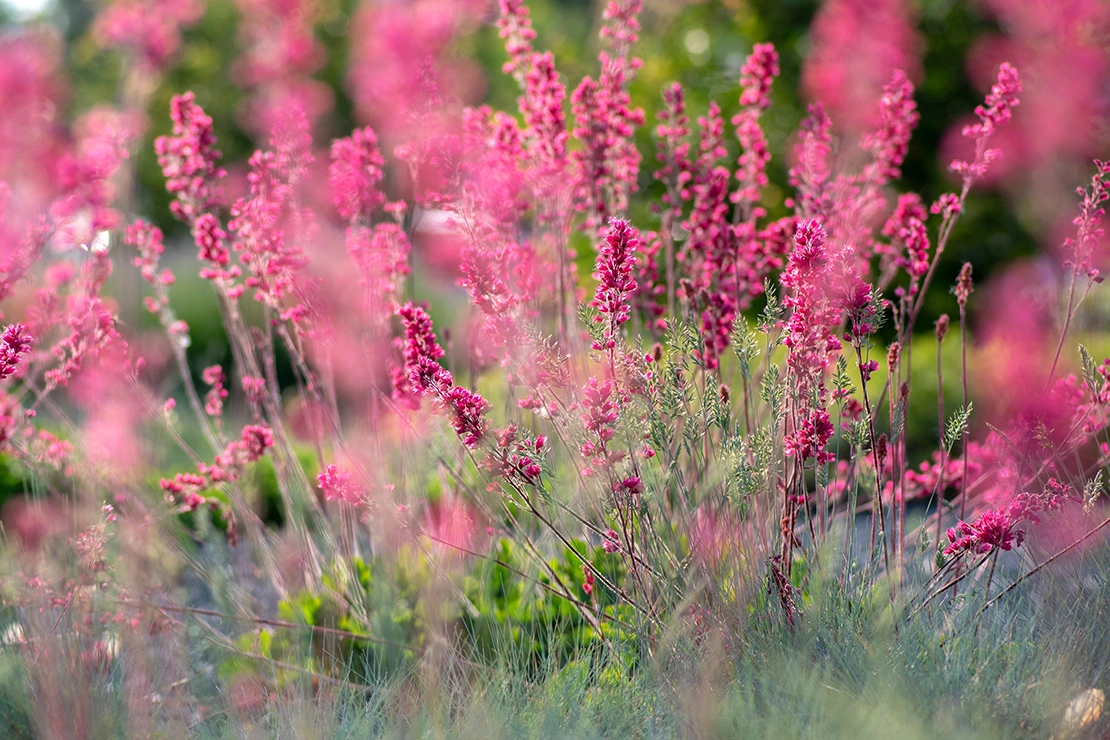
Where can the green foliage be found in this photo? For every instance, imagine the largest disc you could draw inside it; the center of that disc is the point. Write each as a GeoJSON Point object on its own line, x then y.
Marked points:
{"type": "Point", "coordinates": [370, 620]}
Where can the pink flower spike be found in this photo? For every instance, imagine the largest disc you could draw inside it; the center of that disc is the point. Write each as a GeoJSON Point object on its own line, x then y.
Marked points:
{"type": "Point", "coordinates": [890, 140]}
{"type": "Point", "coordinates": [355, 174]}
{"type": "Point", "coordinates": [422, 350]}
{"type": "Point", "coordinates": [996, 110]}
{"type": "Point", "coordinates": [188, 159]}
{"type": "Point", "coordinates": [616, 259]}
{"type": "Point", "coordinates": [14, 343]}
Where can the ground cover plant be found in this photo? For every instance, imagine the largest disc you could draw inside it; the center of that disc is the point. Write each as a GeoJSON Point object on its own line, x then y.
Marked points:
{"type": "Point", "coordinates": [477, 422]}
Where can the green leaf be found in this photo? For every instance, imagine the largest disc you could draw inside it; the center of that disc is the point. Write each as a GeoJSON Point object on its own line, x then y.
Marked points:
{"type": "Point", "coordinates": [956, 427]}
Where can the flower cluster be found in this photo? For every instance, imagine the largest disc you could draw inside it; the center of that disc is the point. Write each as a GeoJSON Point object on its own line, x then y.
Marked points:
{"type": "Point", "coordinates": [608, 163]}
{"type": "Point", "coordinates": [228, 467]}
{"type": "Point", "coordinates": [995, 110]}
{"type": "Point", "coordinates": [261, 222]}
{"type": "Point", "coordinates": [615, 261]}
{"type": "Point", "coordinates": [1000, 529]}
{"type": "Point", "coordinates": [188, 158]}
{"type": "Point", "coordinates": [150, 29]}
{"type": "Point", "coordinates": [355, 175]}
{"type": "Point", "coordinates": [855, 45]}
{"type": "Point", "coordinates": [600, 413]}
{"type": "Point", "coordinates": [428, 377]}
{"type": "Point", "coordinates": [889, 142]}
{"type": "Point", "coordinates": [280, 52]}
{"type": "Point", "coordinates": [336, 485]}
{"type": "Point", "coordinates": [758, 73]}
{"type": "Point", "coordinates": [15, 342]}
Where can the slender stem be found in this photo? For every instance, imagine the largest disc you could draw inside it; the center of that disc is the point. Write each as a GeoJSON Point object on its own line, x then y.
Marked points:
{"type": "Point", "coordinates": [1037, 569]}
{"type": "Point", "coordinates": [944, 457]}
{"type": "Point", "coordinates": [963, 374]}
{"type": "Point", "coordinates": [878, 470]}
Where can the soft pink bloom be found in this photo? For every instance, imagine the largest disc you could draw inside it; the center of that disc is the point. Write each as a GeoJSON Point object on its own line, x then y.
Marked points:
{"type": "Point", "coordinates": [608, 163]}
{"type": "Point", "coordinates": [279, 55]}
{"type": "Point", "coordinates": [855, 46]}
{"type": "Point", "coordinates": [266, 228]}
{"type": "Point", "coordinates": [336, 485]}
{"type": "Point", "coordinates": [355, 174]}
{"type": "Point", "coordinates": [615, 260]}
{"type": "Point", "coordinates": [810, 173]}
{"type": "Point", "coordinates": [995, 110]}
{"type": "Point", "coordinates": [149, 29]}
{"type": "Point", "coordinates": [15, 342]}
{"type": "Point", "coordinates": [189, 159]}
{"type": "Point", "coordinates": [214, 400]}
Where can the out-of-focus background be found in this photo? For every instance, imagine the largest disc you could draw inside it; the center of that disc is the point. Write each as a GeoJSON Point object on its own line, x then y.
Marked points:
{"type": "Point", "coordinates": [240, 56]}
{"type": "Point", "coordinates": [838, 50]}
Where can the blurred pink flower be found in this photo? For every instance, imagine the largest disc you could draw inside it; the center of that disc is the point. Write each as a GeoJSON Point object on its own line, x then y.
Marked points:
{"type": "Point", "coordinates": [855, 47]}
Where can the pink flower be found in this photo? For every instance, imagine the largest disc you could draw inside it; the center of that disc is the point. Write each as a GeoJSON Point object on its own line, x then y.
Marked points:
{"type": "Point", "coordinates": [273, 261]}
{"type": "Point", "coordinates": [280, 53]}
{"type": "Point", "coordinates": [421, 352]}
{"type": "Point", "coordinates": [759, 71]}
{"type": "Point", "coordinates": [14, 343]}
{"type": "Point", "coordinates": [890, 140]}
{"type": "Point", "coordinates": [151, 29]}
{"type": "Point", "coordinates": [1000, 529]}
{"type": "Point", "coordinates": [615, 261]}
{"type": "Point", "coordinates": [995, 110]}
{"type": "Point", "coordinates": [188, 159]}
{"type": "Point", "coordinates": [336, 485]}
{"type": "Point", "coordinates": [468, 410]}
{"type": "Point", "coordinates": [148, 240]}
{"type": "Point", "coordinates": [810, 173]}
{"type": "Point", "coordinates": [855, 46]}
{"type": "Point", "coordinates": [608, 163]}
{"type": "Point", "coordinates": [355, 174]}
{"type": "Point", "coordinates": [214, 399]}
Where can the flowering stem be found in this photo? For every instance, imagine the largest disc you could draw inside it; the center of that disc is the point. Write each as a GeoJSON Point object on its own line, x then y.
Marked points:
{"type": "Point", "coordinates": [940, 431]}
{"type": "Point", "coordinates": [878, 470]}
{"type": "Point", "coordinates": [963, 374]}
{"type": "Point", "coordinates": [1067, 323]}
{"type": "Point", "coordinates": [1037, 569]}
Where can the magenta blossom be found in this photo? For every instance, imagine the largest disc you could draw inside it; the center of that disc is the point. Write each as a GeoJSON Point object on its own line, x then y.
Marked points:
{"type": "Point", "coordinates": [189, 159]}
{"type": "Point", "coordinates": [615, 261]}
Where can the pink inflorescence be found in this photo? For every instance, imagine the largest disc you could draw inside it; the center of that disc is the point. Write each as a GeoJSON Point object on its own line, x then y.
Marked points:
{"type": "Point", "coordinates": [615, 261]}
{"type": "Point", "coordinates": [759, 72]}
{"type": "Point", "coordinates": [995, 110]}
{"type": "Point", "coordinates": [356, 174]}
{"type": "Point", "coordinates": [151, 29]}
{"type": "Point", "coordinates": [188, 159]}
{"type": "Point", "coordinates": [890, 140]}
{"type": "Point", "coordinates": [428, 377]}
{"type": "Point", "coordinates": [855, 45]}
{"type": "Point", "coordinates": [810, 335]}
{"type": "Point", "coordinates": [336, 484]}
{"type": "Point", "coordinates": [609, 162]}
{"type": "Point", "coordinates": [14, 343]}
{"type": "Point", "coordinates": [1001, 529]}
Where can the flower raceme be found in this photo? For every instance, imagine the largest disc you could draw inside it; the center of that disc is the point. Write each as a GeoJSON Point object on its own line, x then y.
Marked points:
{"type": "Point", "coordinates": [422, 352]}
{"type": "Point", "coordinates": [188, 158]}
{"type": "Point", "coordinates": [15, 342]}
{"type": "Point", "coordinates": [615, 262]}
{"type": "Point", "coordinates": [1000, 529]}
